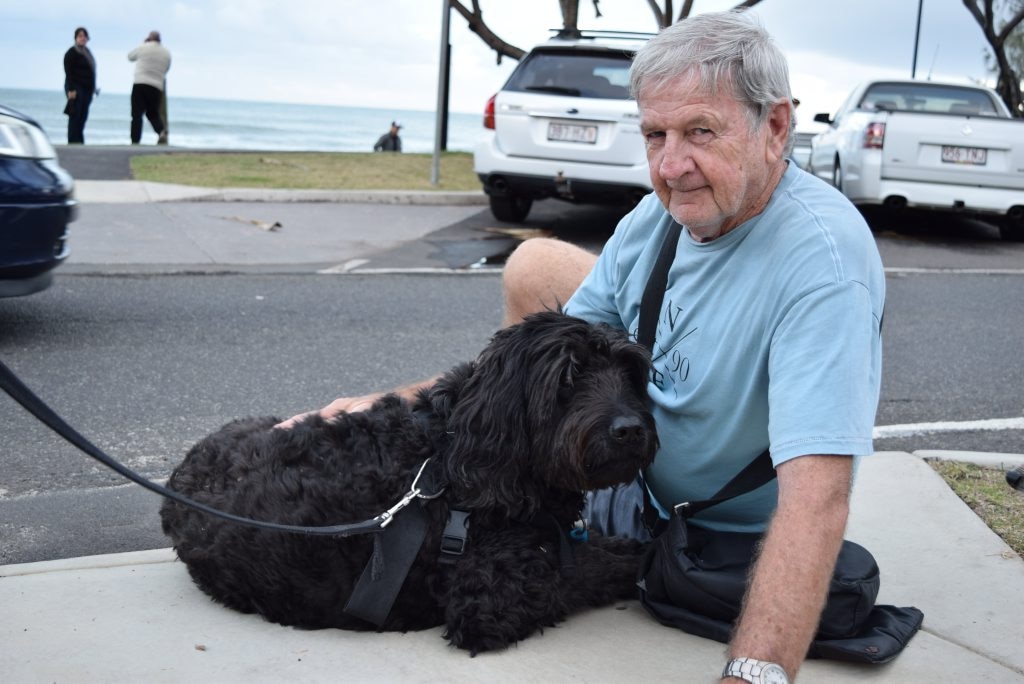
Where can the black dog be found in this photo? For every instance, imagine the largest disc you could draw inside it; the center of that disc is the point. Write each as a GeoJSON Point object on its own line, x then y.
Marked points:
{"type": "Point", "coordinates": [552, 407]}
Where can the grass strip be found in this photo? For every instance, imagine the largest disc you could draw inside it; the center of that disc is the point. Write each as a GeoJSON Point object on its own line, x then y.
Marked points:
{"type": "Point", "coordinates": [308, 170]}
{"type": "Point", "coordinates": [986, 492]}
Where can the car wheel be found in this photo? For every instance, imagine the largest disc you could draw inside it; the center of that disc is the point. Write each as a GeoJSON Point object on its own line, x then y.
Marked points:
{"type": "Point", "coordinates": [512, 209]}
{"type": "Point", "coordinates": [1012, 230]}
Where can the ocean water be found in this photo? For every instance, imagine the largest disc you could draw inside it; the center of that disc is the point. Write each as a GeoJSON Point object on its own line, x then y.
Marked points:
{"type": "Point", "coordinates": [235, 125]}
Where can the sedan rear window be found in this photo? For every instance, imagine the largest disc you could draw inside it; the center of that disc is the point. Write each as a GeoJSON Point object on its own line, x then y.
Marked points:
{"type": "Point", "coordinates": [928, 97]}
{"type": "Point", "coordinates": [574, 73]}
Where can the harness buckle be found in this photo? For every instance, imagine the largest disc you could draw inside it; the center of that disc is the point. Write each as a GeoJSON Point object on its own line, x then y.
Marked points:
{"type": "Point", "coordinates": [453, 539]}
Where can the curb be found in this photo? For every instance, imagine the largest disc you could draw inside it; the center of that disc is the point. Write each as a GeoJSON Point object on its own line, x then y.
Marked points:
{"type": "Point", "coordinates": [463, 198]}
{"type": "Point", "coordinates": [141, 192]}
{"type": "Point", "coordinates": [979, 458]}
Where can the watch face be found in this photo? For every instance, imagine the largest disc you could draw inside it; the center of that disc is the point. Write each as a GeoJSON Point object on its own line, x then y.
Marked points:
{"type": "Point", "coordinates": [774, 674]}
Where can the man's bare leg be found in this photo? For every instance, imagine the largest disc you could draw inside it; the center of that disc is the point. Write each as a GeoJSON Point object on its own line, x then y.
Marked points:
{"type": "Point", "coordinates": [540, 274]}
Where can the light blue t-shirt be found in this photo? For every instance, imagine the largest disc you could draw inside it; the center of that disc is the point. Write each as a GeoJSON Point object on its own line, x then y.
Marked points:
{"type": "Point", "coordinates": [767, 336]}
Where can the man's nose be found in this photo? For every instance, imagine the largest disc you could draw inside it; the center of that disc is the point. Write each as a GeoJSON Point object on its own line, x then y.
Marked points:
{"type": "Point", "coordinates": [676, 158]}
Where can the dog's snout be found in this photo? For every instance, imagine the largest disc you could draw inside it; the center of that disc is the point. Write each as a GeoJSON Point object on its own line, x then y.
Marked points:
{"type": "Point", "coordinates": [627, 429]}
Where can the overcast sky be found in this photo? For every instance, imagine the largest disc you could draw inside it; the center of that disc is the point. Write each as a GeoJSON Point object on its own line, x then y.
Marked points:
{"type": "Point", "coordinates": [384, 53]}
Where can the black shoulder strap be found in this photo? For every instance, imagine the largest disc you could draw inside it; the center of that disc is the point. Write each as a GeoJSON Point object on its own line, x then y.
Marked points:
{"type": "Point", "coordinates": [654, 292]}
{"type": "Point", "coordinates": [758, 472]}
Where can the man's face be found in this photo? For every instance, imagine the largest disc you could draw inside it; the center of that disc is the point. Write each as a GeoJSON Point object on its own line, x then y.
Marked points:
{"type": "Point", "coordinates": [708, 168]}
{"type": "Point", "coordinates": [81, 38]}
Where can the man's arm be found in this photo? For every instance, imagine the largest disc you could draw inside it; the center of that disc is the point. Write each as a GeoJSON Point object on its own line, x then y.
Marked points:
{"type": "Point", "coordinates": [789, 583]}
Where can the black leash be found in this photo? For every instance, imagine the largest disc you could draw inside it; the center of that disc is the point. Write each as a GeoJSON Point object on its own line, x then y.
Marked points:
{"type": "Point", "coordinates": [18, 391]}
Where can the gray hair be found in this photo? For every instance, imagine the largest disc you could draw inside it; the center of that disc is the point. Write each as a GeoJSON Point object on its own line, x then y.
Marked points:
{"type": "Point", "coordinates": [723, 48]}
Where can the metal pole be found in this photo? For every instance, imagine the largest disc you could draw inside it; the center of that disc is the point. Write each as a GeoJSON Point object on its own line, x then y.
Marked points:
{"type": "Point", "coordinates": [917, 37]}
{"type": "Point", "coordinates": [442, 96]}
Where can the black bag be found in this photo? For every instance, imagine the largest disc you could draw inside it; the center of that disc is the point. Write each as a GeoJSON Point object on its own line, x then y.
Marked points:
{"type": "Point", "coordinates": [695, 579]}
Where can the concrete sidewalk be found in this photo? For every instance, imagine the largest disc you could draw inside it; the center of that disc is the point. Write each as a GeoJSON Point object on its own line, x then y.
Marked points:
{"type": "Point", "coordinates": [137, 617]}
{"type": "Point", "coordinates": [135, 226]}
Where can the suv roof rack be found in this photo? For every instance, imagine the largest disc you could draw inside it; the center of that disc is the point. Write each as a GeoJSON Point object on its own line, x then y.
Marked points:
{"type": "Point", "coordinates": [577, 34]}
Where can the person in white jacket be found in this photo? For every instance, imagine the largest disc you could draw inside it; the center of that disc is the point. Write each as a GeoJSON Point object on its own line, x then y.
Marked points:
{"type": "Point", "coordinates": [152, 62]}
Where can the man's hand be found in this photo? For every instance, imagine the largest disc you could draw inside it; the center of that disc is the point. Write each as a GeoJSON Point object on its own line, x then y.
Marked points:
{"type": "Point", "coordinates": [361, 403]}
{"type": "Point", "coordinates": [335, 409]}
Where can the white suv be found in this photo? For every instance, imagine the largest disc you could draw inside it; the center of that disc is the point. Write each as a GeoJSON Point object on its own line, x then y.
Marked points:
{"type": "Point", "coordinates": [564, 126]}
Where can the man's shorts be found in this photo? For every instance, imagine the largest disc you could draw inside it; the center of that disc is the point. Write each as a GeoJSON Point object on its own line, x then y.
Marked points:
{"type": "Point", "coordinates": [617, 511]}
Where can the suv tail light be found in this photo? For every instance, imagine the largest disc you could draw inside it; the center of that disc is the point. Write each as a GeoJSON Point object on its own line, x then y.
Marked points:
{"type": "Point", "coordinates": [874, 135]}
{"type": "Point", "coordinates": [489, 112]}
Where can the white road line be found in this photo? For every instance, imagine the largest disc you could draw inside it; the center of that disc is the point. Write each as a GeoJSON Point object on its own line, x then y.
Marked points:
{"type": "Point", "coordinates": [887, 431]}
{"type": "Point", "coordinates": [901, 270]}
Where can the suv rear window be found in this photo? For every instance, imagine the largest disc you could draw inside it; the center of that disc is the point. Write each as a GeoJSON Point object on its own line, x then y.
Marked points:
{"type": "Point", "coordinates": [603, 75]}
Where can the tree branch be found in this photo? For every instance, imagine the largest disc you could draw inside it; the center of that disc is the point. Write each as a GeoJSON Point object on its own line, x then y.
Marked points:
{"type": "Point", "coordinates": [477, 25]}
{"type": "Point", "coordinates": [1011, 24]}
{"type": "Point", "coordinates": [659, 16]}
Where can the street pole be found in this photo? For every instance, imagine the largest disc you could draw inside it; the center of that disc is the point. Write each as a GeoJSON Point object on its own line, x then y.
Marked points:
{"type": "Point", "coordinates": [917, 37]}
{"type": "Point", "coordinates": [441, 114]}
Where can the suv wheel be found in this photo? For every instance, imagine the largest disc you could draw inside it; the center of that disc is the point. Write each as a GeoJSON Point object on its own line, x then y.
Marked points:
{"type": "Point", "coordinates": [511, 208]}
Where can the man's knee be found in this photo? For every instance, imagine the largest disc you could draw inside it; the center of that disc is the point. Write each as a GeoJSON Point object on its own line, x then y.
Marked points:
{"type": "Point", "coordinates": [541, 274]}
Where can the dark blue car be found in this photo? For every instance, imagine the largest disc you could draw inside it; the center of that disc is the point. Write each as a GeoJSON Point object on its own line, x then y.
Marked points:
{"type": "Point", "coordinates": [36, 205]}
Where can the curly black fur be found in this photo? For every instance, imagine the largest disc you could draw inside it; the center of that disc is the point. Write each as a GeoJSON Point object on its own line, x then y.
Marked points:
{"type": "Point", "coordinates": [552, 407]}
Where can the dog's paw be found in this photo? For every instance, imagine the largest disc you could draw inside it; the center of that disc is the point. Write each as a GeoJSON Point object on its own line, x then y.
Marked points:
{"type": "Point", "coordinates": [478, 631]}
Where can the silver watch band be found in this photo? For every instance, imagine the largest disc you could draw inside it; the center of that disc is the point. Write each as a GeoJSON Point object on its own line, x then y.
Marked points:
{"type": "Point", "coordinates": [755, 671]}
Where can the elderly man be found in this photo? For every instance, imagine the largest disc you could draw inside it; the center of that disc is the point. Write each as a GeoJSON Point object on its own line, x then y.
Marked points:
{"type": "Point", "coordinates": [769, 330]}
{"type": "Point", "coordinates": [769, 333]}
{"type": "Point", "coordinates": [152, 62]}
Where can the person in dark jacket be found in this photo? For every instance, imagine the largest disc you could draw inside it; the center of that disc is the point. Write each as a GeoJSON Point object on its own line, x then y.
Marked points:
{"type": "Point", "coordinates": [79, 85]}
{"type": "Point", "coordinates": [389, 142]}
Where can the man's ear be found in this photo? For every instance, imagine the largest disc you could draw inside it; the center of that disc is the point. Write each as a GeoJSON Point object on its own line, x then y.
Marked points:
{"type": "Point", "coordinates": [778, 129]}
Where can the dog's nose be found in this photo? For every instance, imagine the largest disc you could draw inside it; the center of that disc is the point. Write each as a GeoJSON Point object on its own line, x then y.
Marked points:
{"type": "Point", "coordinates": [625, 429]}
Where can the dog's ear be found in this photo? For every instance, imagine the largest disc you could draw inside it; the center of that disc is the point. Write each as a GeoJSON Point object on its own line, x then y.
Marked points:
{"type": "Point", "coordinates": [501, 410]}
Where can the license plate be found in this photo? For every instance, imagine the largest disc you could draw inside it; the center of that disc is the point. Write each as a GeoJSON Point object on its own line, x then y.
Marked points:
{"type": "Point", "coordinates": [576, 133]}
{"type": "Point", "coordinates": [977, 156]}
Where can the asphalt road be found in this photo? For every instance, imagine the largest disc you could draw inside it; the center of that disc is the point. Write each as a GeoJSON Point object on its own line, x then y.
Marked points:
{"type": "Point", "coordinates": [144, 365]}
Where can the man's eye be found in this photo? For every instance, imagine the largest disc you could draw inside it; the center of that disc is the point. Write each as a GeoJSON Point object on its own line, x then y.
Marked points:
{"type": "Point", "coordinates": [654, 135]}
{"type": "Point", "coordinates": [701, 134]}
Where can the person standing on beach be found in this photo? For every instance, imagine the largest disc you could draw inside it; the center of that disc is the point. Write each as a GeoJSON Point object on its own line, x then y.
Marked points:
{"type": "Point", "coordinates": [389, 142]}
{"type": "Point", "coordinates": [79, 85]}
{"type": "Point", "coordinates": [152, 61]}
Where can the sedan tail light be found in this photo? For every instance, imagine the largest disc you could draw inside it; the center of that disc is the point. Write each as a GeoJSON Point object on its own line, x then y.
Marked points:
{"type": "Point", "coordinates": [489, 112]}
{"type": "Point", "coordinates": [874, 135]}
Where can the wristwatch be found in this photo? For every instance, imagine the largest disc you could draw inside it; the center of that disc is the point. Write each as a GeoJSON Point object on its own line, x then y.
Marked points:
{"type": "Point", "coordinates": [755, 671]}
